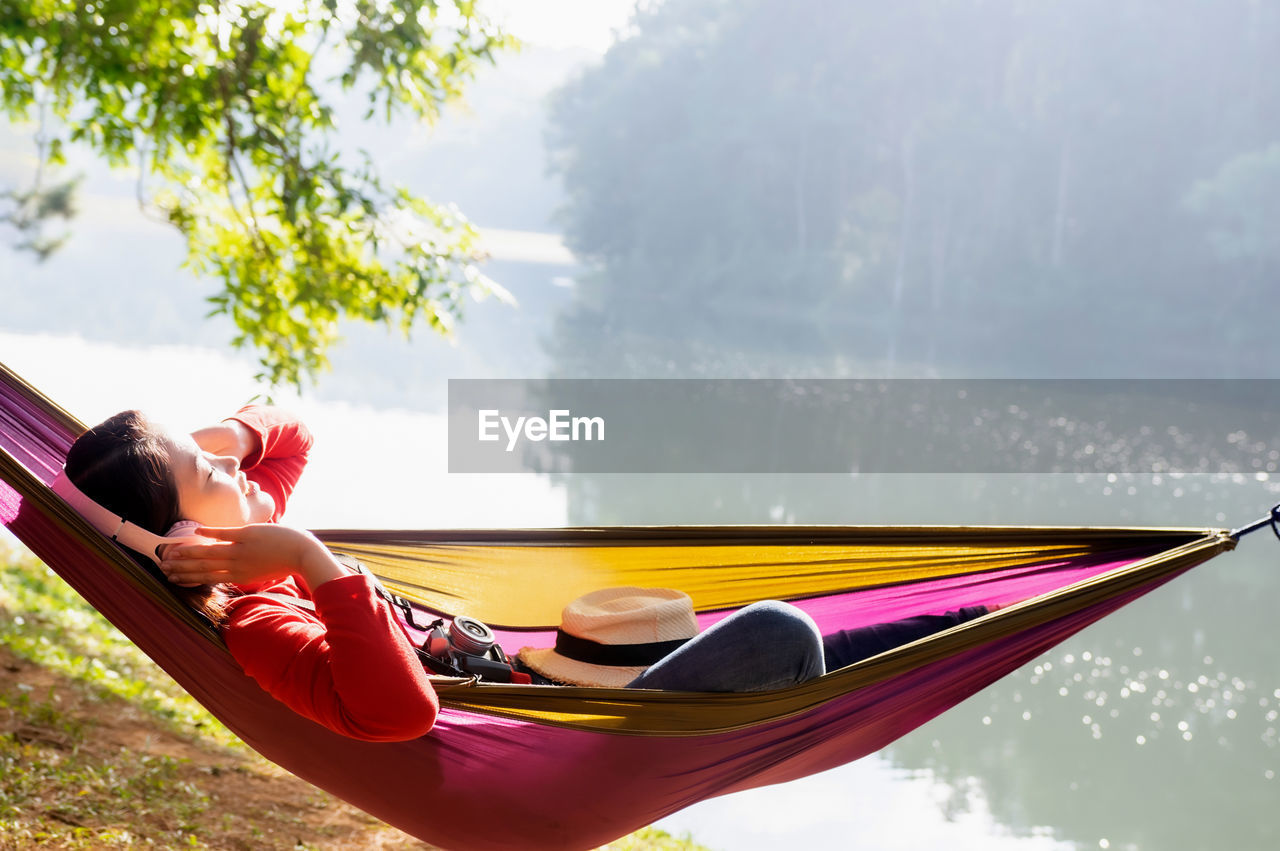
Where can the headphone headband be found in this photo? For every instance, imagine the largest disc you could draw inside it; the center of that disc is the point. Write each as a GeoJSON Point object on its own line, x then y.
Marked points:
{"type": "Point", "coordinates": [111, 524]}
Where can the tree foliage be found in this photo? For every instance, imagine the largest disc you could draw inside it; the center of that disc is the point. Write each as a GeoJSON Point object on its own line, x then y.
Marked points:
{"type": "Point", "coordinates": [226, 110]}
{"type": "Point", "coordinates": [1242, 203]}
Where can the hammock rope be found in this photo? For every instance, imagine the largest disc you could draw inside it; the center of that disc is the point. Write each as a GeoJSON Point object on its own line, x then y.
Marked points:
{"type": "Point", "coordinates": [577, 767]}
{"type": "Point", "coordinates": [1272, 519]}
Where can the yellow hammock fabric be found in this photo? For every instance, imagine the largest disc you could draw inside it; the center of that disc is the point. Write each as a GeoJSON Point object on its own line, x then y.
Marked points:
{"type": "Point", "coordinates": [576, 767]}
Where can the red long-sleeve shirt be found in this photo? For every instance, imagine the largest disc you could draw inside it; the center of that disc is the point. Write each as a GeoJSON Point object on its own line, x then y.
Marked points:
{"type": "Point", "coordinates": [349, 665]}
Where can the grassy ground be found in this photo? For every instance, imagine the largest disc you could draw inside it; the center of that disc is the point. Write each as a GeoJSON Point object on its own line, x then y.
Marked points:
{"type": "Point", "coordinates": [99, 748]}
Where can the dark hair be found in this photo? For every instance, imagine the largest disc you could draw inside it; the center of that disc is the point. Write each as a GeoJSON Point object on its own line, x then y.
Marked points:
{"type": "Point", "coordinates": [122, 464]}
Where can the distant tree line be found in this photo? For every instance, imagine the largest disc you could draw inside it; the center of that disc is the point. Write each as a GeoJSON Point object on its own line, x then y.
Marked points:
{"type": "Point", "coordinates": [996, 188]}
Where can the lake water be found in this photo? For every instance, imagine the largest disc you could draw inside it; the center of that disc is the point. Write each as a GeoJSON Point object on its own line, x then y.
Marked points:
{"type": "Point", "coordinates": [1154, 729]}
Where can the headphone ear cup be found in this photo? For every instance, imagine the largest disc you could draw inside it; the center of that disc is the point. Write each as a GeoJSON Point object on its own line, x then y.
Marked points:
{"type": "Point", "coordinates": [182, 529]}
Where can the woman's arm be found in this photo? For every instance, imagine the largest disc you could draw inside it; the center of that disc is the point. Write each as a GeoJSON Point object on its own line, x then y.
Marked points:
{"type": "Point", "coordinates": [251, 555]}
{"type": "Point", "coordinates": [277, 444]}
{"type": "Point", "coordinates": [349, 668]}
{"type": "Point", "coordinates": [229, 437]}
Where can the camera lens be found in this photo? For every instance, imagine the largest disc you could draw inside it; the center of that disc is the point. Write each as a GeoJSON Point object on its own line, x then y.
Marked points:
{"type": "Point", "coordinates": [470, 636]}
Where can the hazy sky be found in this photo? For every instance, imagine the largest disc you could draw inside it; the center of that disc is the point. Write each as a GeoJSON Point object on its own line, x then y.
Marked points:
{"type": "Point", "coordinates": [563, 23]}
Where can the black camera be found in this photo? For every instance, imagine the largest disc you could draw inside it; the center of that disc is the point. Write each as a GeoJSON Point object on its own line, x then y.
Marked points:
{"type": "Point", "coordinates": [467, 648]}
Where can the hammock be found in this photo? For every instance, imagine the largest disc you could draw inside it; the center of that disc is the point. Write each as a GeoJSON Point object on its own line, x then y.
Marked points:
{"type": "Point", "coordinates": [564, 767]}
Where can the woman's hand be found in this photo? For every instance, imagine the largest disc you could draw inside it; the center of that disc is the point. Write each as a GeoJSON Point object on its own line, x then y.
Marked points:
{"type": "Point", "coordinates": [251, 554]}
{"type": "Point", "coordinates": [230, 437]}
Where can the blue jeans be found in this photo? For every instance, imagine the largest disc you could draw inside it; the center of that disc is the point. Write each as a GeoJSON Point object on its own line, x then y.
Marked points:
{"type": "Point", "coordinates": [766, 645]}
{"type": "Point", "coordinates": [770, 645]}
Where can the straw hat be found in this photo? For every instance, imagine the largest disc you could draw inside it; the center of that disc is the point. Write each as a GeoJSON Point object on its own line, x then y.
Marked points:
{"type": "Point", "coordinates": [609, 637]}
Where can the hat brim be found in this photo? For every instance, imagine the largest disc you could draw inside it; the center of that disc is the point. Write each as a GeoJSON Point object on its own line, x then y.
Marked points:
{"type": "Point", "coordinates": [553, 666]}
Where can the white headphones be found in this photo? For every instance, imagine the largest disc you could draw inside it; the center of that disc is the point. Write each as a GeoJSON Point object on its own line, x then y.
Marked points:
{"type": "Point", "coordinates": [117, 528]}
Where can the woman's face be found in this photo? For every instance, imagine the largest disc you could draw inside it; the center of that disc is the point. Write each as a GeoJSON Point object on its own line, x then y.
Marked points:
{"type": "Point", "coordinates": [212, 490]}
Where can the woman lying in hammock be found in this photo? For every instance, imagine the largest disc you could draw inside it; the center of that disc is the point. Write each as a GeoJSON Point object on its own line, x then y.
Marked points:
{"type": "Point", "coordinates": [347, 665]}
{"type": "Point", "coordinates": [346, 662]}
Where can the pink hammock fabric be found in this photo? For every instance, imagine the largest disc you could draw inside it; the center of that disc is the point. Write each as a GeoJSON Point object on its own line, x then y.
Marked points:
{"type": "Point", "coordinates": [483, 781]}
